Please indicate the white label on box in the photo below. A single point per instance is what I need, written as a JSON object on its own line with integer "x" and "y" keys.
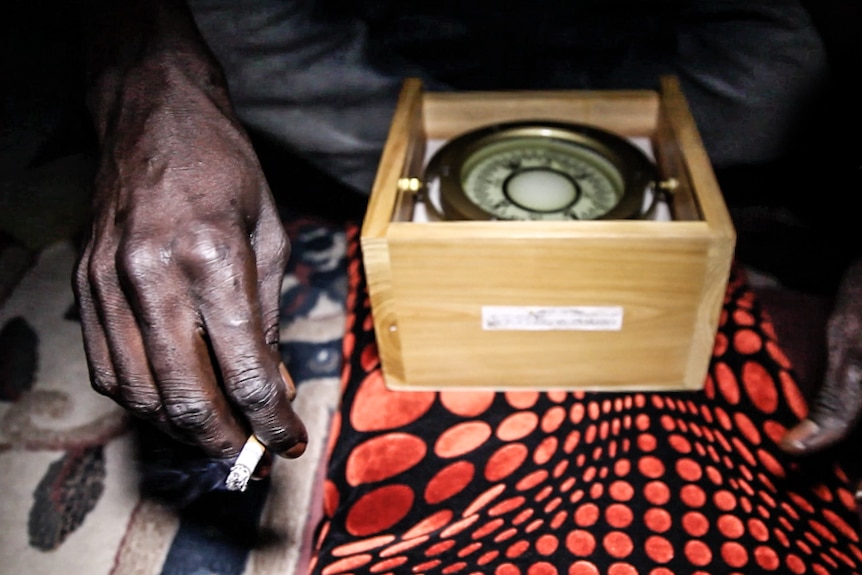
{"x": 548, "y": 318}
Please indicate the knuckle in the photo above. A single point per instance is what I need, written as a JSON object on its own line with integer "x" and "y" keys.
{"x": 272, "y": 243}
{"x": 99, "y": 271}
{"x": 280, "y": 247}
{"x": 141, "y": 259}
{"x": 249, "y": 391}
{"x": 189, "y": 414}
{"x": 103, "y": 383}
{"x": 147, "y": 406}
{"x": 206, "y": 248}
{"x": 271, "y": 329}
{"x": 136, "y": 396}
{"x": 100, "y": 274}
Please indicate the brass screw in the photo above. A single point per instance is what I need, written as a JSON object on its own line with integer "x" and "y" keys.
{"x": 669, "y": 185}
{"x": 409, "y": 184}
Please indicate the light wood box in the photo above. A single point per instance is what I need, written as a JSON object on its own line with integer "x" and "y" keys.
{"x": 428, "y": 282}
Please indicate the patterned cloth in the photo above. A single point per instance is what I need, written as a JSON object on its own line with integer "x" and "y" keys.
{"x": 419, "y": 482}
{"x": 582, "y": 483}
{"x": 69, "y": 458}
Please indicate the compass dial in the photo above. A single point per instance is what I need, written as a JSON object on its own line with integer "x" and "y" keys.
{"x": 536, "y": 178}
{"x": 540, "y": 171}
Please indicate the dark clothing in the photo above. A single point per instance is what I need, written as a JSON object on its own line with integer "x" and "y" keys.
{"x": 322, "y": 77}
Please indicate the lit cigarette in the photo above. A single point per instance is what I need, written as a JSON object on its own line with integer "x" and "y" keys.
{"x": 249, "y": 457}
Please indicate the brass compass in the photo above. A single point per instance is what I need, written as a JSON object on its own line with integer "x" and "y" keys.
{"x": 541, "y": 170}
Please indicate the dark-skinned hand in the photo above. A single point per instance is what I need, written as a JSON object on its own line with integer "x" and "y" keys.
{"x": 838, "y": 405}
{"x": 178, "y": 282}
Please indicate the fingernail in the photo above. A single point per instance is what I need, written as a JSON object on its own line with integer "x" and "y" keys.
{"x": 795, "y": 440}
{"x": 288, "y": 381}
{"x": 295, "y": 451}
{"x": 797, "y": 445}
{"x": 810, "y": 437}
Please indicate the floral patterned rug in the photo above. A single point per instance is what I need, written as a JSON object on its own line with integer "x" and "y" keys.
{"x": 70, "y": 459}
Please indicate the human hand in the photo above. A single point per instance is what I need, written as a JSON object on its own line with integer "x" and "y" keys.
{"x": 838, "y": 404}
{"x": 178, "y": 282}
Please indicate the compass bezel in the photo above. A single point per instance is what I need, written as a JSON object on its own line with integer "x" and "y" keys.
{"x": 637, "y": 171}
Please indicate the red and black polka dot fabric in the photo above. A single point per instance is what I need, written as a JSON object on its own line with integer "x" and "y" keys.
{"x": 560, "y": 483}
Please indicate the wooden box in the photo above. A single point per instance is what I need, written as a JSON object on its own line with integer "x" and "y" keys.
{"x": 429, "y": 282}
